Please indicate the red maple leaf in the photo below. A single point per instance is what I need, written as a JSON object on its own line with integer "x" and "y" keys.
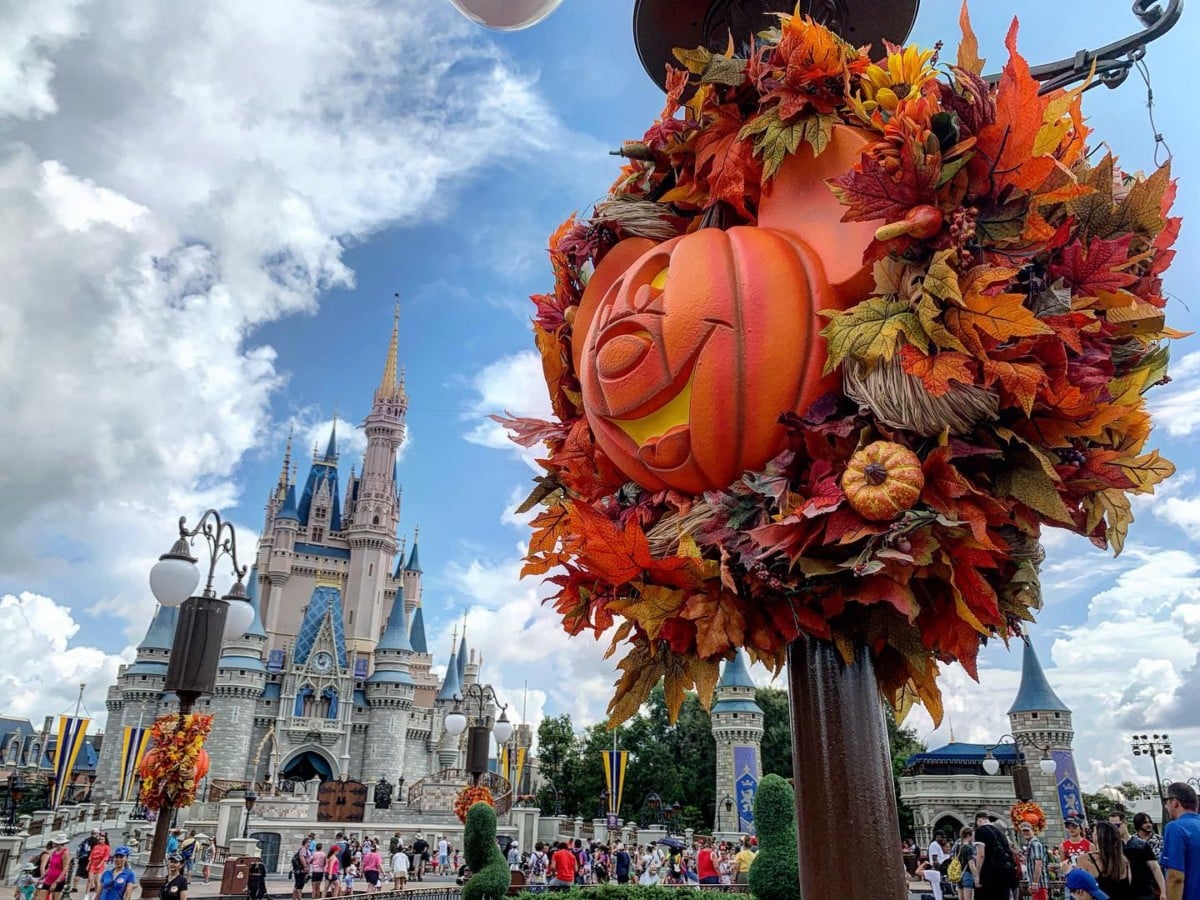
{"x": 872, "y": 192}
{"x": 1094, "y": 267}
{"x": 727, "y": 166}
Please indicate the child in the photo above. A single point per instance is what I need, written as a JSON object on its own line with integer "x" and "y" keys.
{"x": 25, "y": 883}
{"x": 348, "y": 876}
{"x": 207, "y": 854}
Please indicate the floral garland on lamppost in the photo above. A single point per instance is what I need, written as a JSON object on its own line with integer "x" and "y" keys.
{"x": 1028, "y": 812}
{"x": 177, "y": 761}
{"x": 468, "y": 797}
{"x": 848, "y": 332}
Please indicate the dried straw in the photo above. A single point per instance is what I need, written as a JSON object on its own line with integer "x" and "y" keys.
{"x": 639, "y": 218}
{"x": 901, "y": 400}
{"x": 664, "y": 537}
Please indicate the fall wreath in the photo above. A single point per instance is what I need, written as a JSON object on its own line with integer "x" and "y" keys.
{"x": 1029, "y": 812}
{"x": 948, "y": 313}
{"x": 176, "y": 762}
{"x": 468, "y": 797}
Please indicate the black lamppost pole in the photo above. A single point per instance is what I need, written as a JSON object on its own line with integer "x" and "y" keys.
{"x": 199, "y": 631}
{"x": 1154, "y": 745}
{"x": 727, "y": 802}
{"x": 477, "y": 696}
{"x": 251, "y": 797}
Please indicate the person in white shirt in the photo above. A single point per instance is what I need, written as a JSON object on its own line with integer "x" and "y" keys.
{"x": 937, "y": 852}
{"x": 399, "y": 869}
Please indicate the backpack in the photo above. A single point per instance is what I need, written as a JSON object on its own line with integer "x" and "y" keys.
{"x": 298, "y": 867}
{"x": 954, "y": 871}
{"x": 539, "y": 864}
{"x": 1000, "y": 865}
{"x": 345, "y": 857}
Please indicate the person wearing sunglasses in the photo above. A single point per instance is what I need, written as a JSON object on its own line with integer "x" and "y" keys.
{"x": 1181, "y": 843}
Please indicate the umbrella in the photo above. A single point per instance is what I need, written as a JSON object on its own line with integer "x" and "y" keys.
{"x": 203, "y": 837}
{"x": 673, "y": 842}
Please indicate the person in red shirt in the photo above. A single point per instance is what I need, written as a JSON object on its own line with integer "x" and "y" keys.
{"x": 1076, "y": 844}
{"x": 706, "y": 868}
{"x": 562, "y": 867}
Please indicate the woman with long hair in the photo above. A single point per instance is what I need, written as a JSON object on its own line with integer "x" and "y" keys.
{"x": 1108, "y": 863}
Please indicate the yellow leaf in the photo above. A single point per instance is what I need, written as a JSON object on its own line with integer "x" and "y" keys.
{"x": 1148, "y": 470}
{"x": 871, "y": 332}
{"x": 968, "y": 48}
{"x": 650, "y": 606}
{"x": 1112, "y": 505}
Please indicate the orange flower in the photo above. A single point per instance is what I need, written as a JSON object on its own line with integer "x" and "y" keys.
{"x": 811, "y": 67}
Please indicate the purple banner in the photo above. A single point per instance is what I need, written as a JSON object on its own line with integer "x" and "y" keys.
{"x": 1070, "y": 798}
{"x": 745, "y": 780}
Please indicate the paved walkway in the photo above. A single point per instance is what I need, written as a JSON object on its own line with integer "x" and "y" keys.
{"x": 280, "y": 886}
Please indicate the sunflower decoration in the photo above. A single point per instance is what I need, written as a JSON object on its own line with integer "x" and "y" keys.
{"x": 1028, "y": 812}
{"x": 847, "y": 334}
{"x": 468, "y": 797}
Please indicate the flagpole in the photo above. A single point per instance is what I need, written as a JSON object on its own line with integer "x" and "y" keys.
{"x": 60, "y": 788}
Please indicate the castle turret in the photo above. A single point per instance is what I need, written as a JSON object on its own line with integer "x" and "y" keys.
{"x": 279, "y": 559}
{"x": 1041, "y": 724}
{"x": 241, "y": 676}
{"x": 411, "y": 573}
{"x": 389, "y": 693}
{"x": 737, "y": 726}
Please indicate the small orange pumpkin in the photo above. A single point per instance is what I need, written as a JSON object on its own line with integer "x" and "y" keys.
{"x": 882, "y": 480}
{"x": 202, "y": 764}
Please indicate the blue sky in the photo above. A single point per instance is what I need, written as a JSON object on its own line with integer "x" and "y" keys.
{"x": 208, "y": 214}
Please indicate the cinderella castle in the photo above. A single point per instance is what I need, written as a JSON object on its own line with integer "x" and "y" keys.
{"x": 334, "y": 679}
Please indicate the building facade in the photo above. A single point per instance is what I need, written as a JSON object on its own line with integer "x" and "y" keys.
{"x": 737, "y": 727}
{"x": 334, "y": 677}
{"x": 946, "y": 787}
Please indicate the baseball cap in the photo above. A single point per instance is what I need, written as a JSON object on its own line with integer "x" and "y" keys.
{"x": 1081, "y": 880}
{"x": 1074, "y": 820}
{"x": 122, "y": 851}
{"x": 174, "y": 857}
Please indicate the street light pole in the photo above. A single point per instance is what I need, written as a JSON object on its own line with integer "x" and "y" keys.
{"x": 1154, "y": 745}
{"x": 251, "y": 797}
{"x": 204, "y": 621}
{"x": 478, "y": 695}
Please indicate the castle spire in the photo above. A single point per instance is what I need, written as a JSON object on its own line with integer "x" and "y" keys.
{"x": 414, "y": 560}
{"x": 287, "y": 459}
{"x": 1035, "y": 693}
{"x": 331, "y": 448}
{"x": 416, "y": 632}
{"x": 391, "y": 383}
{"x": 462, "y": 651}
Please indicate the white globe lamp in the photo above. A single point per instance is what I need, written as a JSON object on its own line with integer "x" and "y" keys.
{"x": 456, "y": 722}
{"x": 505, "y": 15}
{"x": 240, "y": 613}
{"x": 503, "y": 728}
{"x": 175, "y": 576}
{"x": 991, "y": 765}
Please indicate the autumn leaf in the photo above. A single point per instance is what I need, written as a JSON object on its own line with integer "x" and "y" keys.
{"x": 720, "y": 624}
{"x": 937, "y": 371}
{"x": 726, "y": 164}
{"x": 1019, "y": 382}
{"x": 871, "y": 332}
{"x": 528, "y": 432}
{"x": 777, "y": 139}
{"x": 1141, "y": 210}
{"x": 1025, "y": 480}
{"x": 984, "y": 321}
{"x": 870, "y": 192}
{"x": 640, "y": 671}
{"x": 968, "y": 48}
{"x": 713, "y": 68}
{"x": 1114, "y": 508}
{"x": 650, "y": 606}
{"x": 1095, "y": 267}
{"x": 1148, "y": 470}
{"x": 1094, "y": 213}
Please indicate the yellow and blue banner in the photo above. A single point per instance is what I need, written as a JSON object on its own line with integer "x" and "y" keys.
{"x": 521, "y": 753}
{"x": 615, "y": 762}
{"x": 134, "y": 744}
{"x": 71, "y": 733}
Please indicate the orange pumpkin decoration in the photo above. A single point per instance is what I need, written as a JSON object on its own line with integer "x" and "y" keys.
{"x": 882, "y": 480}
{"x": 688, "y": 351}
{"x": 150, "y": 763}
{"x": 202, "y": 764}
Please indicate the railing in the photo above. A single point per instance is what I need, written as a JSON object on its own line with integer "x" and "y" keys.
{"x": 500, "y": 787}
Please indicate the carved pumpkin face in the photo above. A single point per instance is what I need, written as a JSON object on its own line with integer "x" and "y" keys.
{"x": 696, "y": 349}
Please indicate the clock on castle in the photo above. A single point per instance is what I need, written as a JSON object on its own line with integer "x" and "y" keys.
{"x": 333, "y": 678}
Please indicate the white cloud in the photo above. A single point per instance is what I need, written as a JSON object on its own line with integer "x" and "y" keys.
{"x": 1177, "y": 406}
{"x": 175, "y": 177}
{"x": 513, "y": 385}
{"x": 40, "y": 670}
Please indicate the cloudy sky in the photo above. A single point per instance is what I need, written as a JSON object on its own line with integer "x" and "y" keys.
{"x": 204, "y": 212}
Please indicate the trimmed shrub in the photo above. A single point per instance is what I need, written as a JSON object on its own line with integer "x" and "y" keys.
{"x": 490, "y": 877}
{"x": 775, "y": 872}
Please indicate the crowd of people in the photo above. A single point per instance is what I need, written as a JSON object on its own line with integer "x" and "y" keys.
{"x": 334, "y": 869}
{"x": 1121, "y": 858}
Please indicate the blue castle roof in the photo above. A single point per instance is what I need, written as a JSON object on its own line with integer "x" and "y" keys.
{"x": 395, "y": 635}
{"x": 161, "y": 632}
{"x": 462, "y": 656}
{"x": 414, "y": 561}
{"x": 1035, "y": 693}
{"x": 288, "y": 510}
{"x": 256, "y": 628}
{"x": 325, "y": 600}
{"x": 451, "y": 686}
{"x": 736, "y": 673}
{"x": 959, "y": 753}
{"x": 323, "y": 473}
{"x": 416, "y": 632}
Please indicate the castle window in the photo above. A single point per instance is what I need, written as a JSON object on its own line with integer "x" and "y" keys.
{"x": 370, "y": 569}
{"x": 304, "y": 702}
{"x": 319, "y": 512}
{"x": 318, "y": 535}
{"x": 350, "y": 617}
{"x": 375, "y": 520}
{"x": 329, "y": 703}
{"x": 1033, "y": 715}
{"x": 13, "y": 753}
{"x": 1058, "y": 715}
{"x": 233, "y": 714}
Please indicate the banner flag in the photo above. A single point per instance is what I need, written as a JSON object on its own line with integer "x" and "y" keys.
{"x": 133, "y": 748}
{"x": 503, "y": 770}
{"x": 71, "y": 733}
{"x": 521, "y": 751}
{"x": 615, "y": 762}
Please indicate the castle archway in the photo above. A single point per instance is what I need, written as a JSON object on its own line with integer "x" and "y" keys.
{"x": 307, "y": 764}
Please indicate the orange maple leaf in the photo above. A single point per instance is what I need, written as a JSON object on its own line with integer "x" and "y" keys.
{"x": 937, "y": 371}
{"x": 1019, "y": 382}
{"x": 720, "y": 624}
{"x": 983, "y": 321}
{"x": 725, "y": 165}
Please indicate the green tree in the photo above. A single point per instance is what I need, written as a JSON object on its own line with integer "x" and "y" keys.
{"x": 904, "y": 742}
{"x": 490, "y": 877}
{"x": 777, "y": 731}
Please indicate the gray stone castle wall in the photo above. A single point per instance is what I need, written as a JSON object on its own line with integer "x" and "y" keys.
{"x": 229, "y": 743}
{"x": 1034, "y": 730}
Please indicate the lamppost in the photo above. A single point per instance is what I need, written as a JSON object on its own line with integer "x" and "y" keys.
{"x": 1020, "y": 774}
{"x": 16, "y": 791}
{"x": 602, "y": 805}
{"x": 478, "y": 695}
{"x": 671, "y": 813}
{"x": 251, "y": 798}
{"x": 727, "y": 802}
{"x": 651, "y": 812}
{"x": 549, "y": 786}
{"x": 1154, "y": 745}
{"x": 204, "y": 621}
